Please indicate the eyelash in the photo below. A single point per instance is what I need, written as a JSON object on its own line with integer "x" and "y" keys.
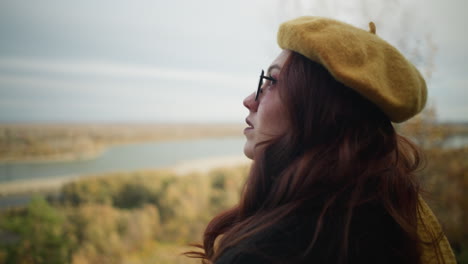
{"x": 272, "y": 81}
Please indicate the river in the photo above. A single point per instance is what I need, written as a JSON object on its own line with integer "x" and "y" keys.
{"x": 148, "y": 155}
{"x": 130, "y": 157}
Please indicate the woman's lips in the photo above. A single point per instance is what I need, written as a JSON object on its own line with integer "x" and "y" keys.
{"x": 249, "y": 123}
{"x": 250, "y": 127}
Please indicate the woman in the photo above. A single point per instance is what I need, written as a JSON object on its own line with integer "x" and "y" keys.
{"x": 331, "y": 181}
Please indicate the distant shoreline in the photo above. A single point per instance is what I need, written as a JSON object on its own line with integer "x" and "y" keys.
{"x": 90, "y": 155}
{"x": 36, "y": 143}
{"x": 43, "y": 185}
{"x": 65, "y": 157}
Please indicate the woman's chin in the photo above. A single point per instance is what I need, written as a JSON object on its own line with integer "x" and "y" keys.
{"x": 248, "y": 150}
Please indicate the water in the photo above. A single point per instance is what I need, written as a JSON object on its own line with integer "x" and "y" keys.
{"x": 127, "y": 158}
{"x": 143, "y": 156}
{"x": 134, "y": 157}
{"x": 456, "y": 142}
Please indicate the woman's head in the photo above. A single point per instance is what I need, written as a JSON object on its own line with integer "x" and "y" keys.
{"x": 308, "y": 121}
{"x": 267, "y": 118}
{"x": 305, "y": 106}
{"x": 330, "y": 77}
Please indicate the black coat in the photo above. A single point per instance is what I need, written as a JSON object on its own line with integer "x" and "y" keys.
{"x": 374, "y": 238}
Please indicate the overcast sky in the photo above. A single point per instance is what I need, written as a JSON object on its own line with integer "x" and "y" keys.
{"x": 194, "y": 61}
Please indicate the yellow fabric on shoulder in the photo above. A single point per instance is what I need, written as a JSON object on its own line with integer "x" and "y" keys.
{"x": 428, "y": 230}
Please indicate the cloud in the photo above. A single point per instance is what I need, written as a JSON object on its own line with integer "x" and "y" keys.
{"x": 187, "y": 59}
{"x": 43, "y": 90}
{"x": 114, "y": 70}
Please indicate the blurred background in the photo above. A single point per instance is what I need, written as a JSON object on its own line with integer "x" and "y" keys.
{"x": 121, "y": 121}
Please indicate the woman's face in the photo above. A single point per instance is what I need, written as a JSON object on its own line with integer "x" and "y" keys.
{"x": 267, "y": 117}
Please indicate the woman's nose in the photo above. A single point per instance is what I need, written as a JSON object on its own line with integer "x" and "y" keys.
{"x": 250, "y": 103}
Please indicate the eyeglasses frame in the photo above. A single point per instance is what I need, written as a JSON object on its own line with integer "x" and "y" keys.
{"x": 260, "y": 84}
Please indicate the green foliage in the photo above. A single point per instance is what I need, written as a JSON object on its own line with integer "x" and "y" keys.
{"x": 462, "y": 256}
{"x": 37, "y": 235}
{"x": 106, "y": 234}
{"x": 133, "y": 195}
{"x": 93, "y": 190}
{"x": 107, "y": 218}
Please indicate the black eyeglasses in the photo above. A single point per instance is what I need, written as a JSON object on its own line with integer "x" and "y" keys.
{"x": 260, "y": 84}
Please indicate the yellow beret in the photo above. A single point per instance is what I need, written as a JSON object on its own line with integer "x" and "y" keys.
{"x": 360, "y": 60}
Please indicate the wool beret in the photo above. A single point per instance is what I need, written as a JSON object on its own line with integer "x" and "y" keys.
{"x": 361, "y": 60}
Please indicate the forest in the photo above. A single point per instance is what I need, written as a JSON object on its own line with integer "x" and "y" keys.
{"x": 140, "y": 217}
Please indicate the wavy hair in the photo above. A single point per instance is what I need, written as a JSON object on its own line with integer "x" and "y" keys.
{"x": 340, "y": 181}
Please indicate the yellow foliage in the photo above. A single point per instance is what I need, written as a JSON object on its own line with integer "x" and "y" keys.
{"x": 130, "y": 216}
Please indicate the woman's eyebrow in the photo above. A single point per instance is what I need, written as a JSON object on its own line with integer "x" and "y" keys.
{"x": 274, "y": 66}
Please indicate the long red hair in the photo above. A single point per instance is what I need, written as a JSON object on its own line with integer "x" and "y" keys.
{"x": 340, "y": 160}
